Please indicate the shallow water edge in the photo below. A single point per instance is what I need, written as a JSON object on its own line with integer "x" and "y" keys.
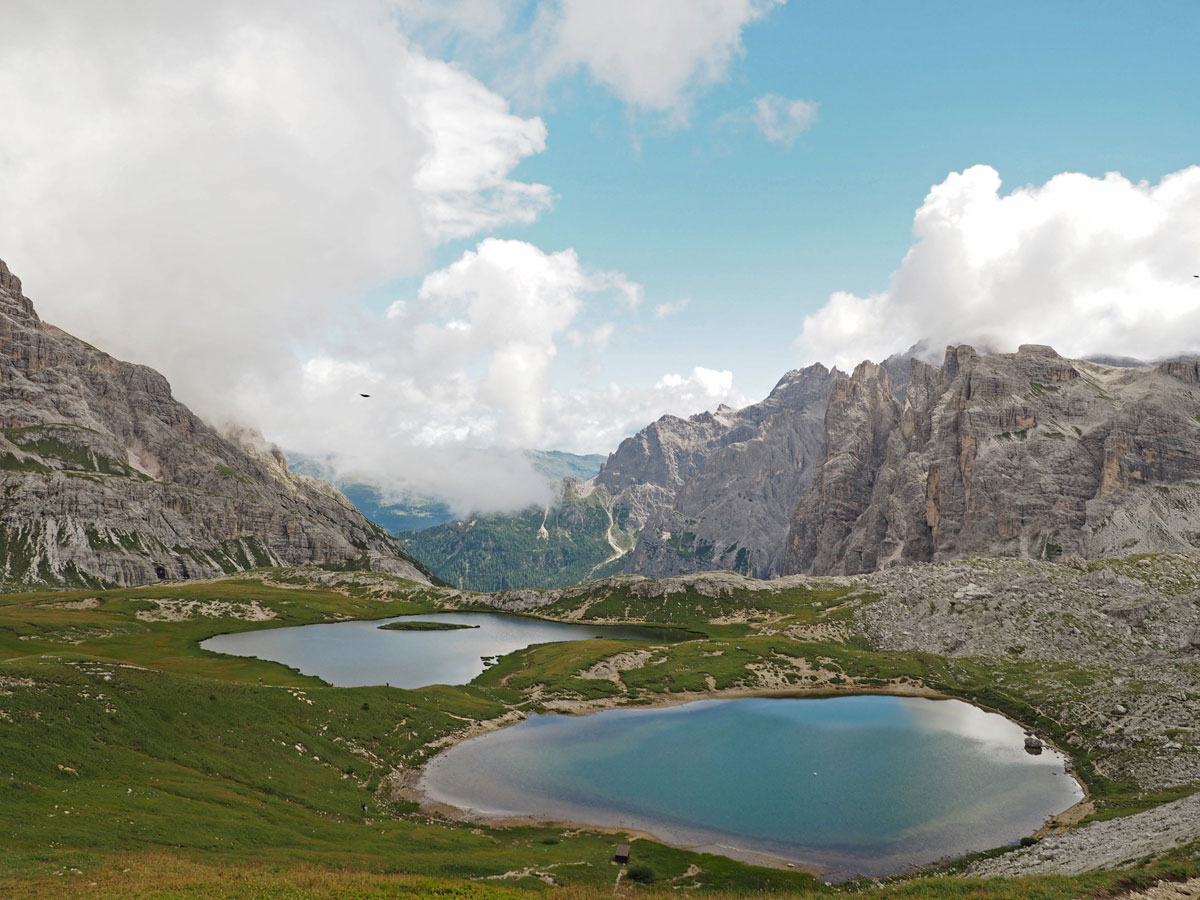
{"x": 411, "y": 784}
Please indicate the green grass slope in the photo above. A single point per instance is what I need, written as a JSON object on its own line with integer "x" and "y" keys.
{"x": 136, "y": 764}
{"x": 558, "y": 546}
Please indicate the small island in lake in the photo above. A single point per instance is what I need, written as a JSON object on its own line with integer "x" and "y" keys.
{"x": 424, "y": 626}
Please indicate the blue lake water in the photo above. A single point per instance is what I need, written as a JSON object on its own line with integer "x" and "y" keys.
{"x": 358, "y": 653}
{"x": 863, "y": 785}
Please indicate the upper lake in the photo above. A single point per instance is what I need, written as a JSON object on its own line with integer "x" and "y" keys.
{"x": 856, "y": 785}
{"x": 359, "y": 653}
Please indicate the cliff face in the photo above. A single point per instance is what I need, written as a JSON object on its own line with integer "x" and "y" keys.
{"x": 717, "y": 491}
{"x": 1026, "y": 454}
{"x": 106, "y": 478}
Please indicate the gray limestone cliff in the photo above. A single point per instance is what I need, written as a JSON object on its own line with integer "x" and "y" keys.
{"x": 717, "y": 490}
{"x": 1023, "y": 454}
{"x": 106, "y": 479}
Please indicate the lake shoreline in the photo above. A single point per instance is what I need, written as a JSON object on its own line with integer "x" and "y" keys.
{"x": 409, "y": 784}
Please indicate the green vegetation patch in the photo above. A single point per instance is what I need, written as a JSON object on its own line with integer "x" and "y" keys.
{"x": 733, "y": 612}
{"x": 53, "y": 443}
{"x": 540, "y": 547}
{"x": 1037, "y": 389}
{"x": 424, "y": 626}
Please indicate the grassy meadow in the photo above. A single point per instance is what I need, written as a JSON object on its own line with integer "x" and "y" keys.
{"x": 136, "y": 764}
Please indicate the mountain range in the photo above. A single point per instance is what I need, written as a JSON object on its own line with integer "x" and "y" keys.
{"x": 108, "y": 480}
{"x": 1024, "y": 454}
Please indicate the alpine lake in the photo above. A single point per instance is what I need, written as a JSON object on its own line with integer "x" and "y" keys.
{"x": 854, "y": 785}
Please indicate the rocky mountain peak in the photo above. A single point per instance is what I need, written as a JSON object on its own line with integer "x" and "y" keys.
{"x": 10, "y": 294}
{"x": 108, "y": 479}
{"x": 1037, "y": 350}
{"x": 958, "y": 358}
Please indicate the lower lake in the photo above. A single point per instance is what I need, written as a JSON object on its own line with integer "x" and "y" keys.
{"x": 856, "y": 785}
{"x": 356, "y": 653}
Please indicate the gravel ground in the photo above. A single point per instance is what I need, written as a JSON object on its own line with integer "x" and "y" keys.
{"x": 1102, "y": 845}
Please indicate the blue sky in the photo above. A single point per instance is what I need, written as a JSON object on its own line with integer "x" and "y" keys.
{"x": 476, "y": 210}
{"x": 758, "y": 234}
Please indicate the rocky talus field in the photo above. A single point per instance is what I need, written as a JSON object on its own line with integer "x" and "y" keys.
{"x": 108, "y": 480}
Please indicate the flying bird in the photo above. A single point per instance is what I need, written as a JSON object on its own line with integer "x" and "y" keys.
{"x": 364, "y": 395}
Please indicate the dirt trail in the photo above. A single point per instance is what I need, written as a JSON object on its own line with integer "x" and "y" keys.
{"x": 617, "y": 551}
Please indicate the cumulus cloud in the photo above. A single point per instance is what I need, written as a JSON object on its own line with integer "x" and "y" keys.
{"x": 653, "y": 55}
{"x": 462, "y": 376}
{"x": 601, "y": 420}
{"x": 781, "y": 120}
{"x": 212, "y": 188}
{"x": 1087, "y": 265}
{"x": 203, "y": 186}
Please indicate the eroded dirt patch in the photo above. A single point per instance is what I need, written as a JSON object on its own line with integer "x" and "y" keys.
{"x": 611, "y": 667}
{"x": 77, "y": 605}
{"x": 181, "y": 610}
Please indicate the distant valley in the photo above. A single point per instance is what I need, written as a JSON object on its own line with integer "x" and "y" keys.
{"x": 410, "y": 511}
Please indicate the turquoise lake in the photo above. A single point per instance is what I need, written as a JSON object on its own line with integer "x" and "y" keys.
{"x": 357, "y": 653}
{"x": 858, "y": 785}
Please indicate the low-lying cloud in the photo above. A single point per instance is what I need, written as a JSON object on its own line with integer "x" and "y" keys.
{"x": 1086, "y": 265}
{"x": 201, "y": 187}
{"x": 461, "y": 378}
{"x": 212, "y": 189}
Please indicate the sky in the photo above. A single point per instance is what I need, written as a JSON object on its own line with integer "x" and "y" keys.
{"x": 544, "y": 224}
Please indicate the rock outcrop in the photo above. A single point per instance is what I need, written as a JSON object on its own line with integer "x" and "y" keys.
{"x": 1023, "y": 454}
{"x": 717, "y": 490}
{"x": 107, "y": 479}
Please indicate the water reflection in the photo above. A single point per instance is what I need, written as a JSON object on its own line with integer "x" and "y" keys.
{"x": 360, "y": 652}
{"x": 997, "y": 735}
{"x": 859, "y": 785}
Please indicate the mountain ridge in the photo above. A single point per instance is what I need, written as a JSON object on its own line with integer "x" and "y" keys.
{"x": 108, "y": 480}
{"x": 1021, "y": 454}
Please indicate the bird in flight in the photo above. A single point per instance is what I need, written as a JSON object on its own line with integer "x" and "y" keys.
{"x": 364, "y": 395}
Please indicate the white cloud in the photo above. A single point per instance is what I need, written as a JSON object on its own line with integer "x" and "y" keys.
{"x": 594, "y": 341}
{"x": 211, "y": 188}
{"x": 514, "y": 301}
{"x": 782, "y": 120}
{"x": 1087, "y": 265}
{"x": 599, "y": 421}
{"x": 481, "y": 19}
{"x": 468, "y": 364}
{"x": 203, "y": 187}
{"x": 464, "y": 378}
{"x": 671, "y": 307}
{"x": 653, "y": 54}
